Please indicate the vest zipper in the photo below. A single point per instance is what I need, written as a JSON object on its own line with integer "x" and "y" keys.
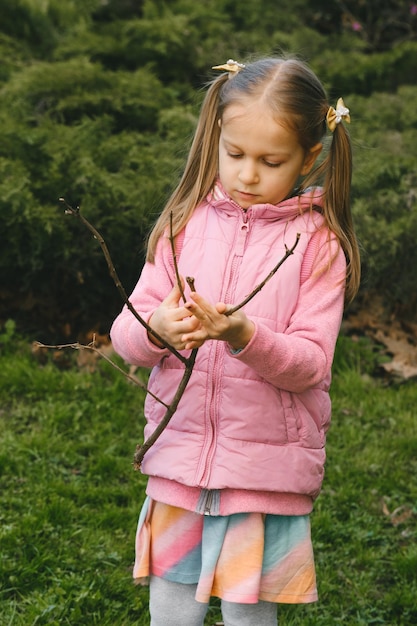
{"x": 239, "y": 248}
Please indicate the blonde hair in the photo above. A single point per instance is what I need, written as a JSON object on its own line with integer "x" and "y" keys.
{"x": 296, "y": 96}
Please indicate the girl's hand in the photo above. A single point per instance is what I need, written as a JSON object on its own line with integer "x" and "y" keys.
{"x": 237, "y": 329}
{"x": 171, "y": 321}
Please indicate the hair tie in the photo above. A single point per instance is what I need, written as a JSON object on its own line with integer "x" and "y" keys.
{"x": 335, "y": 116}
{"x": 233, "y": 67}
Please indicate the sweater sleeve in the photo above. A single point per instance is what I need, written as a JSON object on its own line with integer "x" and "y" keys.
{"x": 301, "y": 357}
{"x": 129, "y": 337}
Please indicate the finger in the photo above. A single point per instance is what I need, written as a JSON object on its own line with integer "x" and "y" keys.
{"x": 198, "y": 336}
{"x": 221, "y": 307}
{"x": 186, "y": 325}
{"x": 201, "y": 309}
{"x": 193, "y": 344}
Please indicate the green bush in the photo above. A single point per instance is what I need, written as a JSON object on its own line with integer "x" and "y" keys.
{"x": 98, "y": 104}
{"x": 117, "y": 181}
{"x": 384, "y": 132}
{"x": 351, "y": 71}
{"x": 101, "y": 140}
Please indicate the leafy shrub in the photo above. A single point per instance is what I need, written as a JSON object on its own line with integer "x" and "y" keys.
{"x": 52, "y": 272}
{"x": 351, "y": 71}
{"x": 101, "y": 112}
{"x": 385, "y": 194}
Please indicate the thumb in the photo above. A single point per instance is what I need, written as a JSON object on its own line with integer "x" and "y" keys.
{"x": 173, "y": 298}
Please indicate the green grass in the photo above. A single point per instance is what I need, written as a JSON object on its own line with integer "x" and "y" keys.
{"x": 70, "y": 498}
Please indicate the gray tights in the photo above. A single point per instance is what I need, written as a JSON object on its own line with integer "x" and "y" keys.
{"x": 173, "y": 604}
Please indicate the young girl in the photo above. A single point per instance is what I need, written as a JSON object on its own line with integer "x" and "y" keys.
{"x": 233, "y": 477}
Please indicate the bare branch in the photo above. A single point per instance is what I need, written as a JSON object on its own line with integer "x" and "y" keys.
{"x": 77, "y": 213}
{"x": 288, "y": 252}
{"x": 190, "y": 282}
{"x": 174, "y": 256}
{"x": 142, "y": 449}
{"x": 188, "y": 362}
{"x": 91, "y": 346}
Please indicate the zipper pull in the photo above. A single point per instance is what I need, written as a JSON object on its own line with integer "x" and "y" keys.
{"x": 209, "y": 500}
{"x": 243, "y": 233}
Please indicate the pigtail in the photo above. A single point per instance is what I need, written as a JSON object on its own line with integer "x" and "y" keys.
{"x": 200, "y": 172}
{"x": 337, "y": 168}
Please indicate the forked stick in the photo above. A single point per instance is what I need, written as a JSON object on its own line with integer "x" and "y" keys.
{"x": 187, "y": 361}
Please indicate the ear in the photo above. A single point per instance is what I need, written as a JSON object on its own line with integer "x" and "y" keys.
{"x": 310, "y": 158}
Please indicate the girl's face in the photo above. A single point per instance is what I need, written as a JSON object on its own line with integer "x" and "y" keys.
{"x": 260, "y": 160}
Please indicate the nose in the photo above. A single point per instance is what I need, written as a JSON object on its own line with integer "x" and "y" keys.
{"x": 248, "y": 173}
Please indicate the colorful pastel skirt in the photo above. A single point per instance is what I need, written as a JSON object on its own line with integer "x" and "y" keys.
{"x": 241, "y": 558}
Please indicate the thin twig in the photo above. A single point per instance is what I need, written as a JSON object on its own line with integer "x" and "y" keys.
{"x": 288, "y": 252}
{"x": 142, "y": 449}
{"x": 187, "y": 361}
{"x": 77, "y": 213}
{"x": 189, "y": 366}
{"x": 190, "y": 282}
{"x": 174, "y": 256}
{"x": 91, "y": 346}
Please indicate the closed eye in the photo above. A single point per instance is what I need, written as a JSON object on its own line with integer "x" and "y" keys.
{"x": 239, "y": 155}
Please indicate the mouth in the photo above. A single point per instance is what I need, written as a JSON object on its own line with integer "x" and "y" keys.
{"x": 244, "y": 195}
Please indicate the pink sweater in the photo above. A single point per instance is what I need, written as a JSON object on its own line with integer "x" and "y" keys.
{"x": 249, "y": 432}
